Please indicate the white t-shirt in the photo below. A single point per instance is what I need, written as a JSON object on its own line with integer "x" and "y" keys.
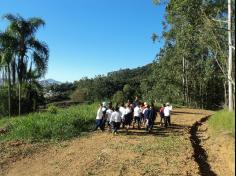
{"x": 99, "y": 114}
{"x": 137, "y": 111}
{"x": 109, "y": 112}
{"x": 103, "y": 108}
{"x": 115, "y": 117}
{"x": 122, "y": 111}
{"x": 167, "y": 111}
{"x": 127, "y": 110}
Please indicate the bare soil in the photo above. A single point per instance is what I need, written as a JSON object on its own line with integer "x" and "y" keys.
{"x": 220, "y": 150}
{"x": 164, "y": 152}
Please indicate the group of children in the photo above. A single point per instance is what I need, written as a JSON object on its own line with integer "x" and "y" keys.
{"x": 131, "y": 115}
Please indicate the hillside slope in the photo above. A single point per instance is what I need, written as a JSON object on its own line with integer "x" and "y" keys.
{"x": 164, "y": 152}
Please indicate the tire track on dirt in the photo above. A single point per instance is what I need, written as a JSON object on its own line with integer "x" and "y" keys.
{"x": 200, "y": 155}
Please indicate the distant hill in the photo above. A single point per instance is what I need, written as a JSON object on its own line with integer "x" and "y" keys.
{"x": 48, "y": 82}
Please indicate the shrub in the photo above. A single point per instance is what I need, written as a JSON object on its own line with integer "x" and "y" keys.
{"x": 52, "y": 109}
{"x": 79, "y": 95}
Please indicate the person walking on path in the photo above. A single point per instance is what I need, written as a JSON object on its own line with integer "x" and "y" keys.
{"x": 167, "y": 114}
{"x": 108, "y": 114}
{"x": 145, "y": 113}
{"x": 128, "y": 118}
{"x": 137, "y": 116}
{"x": 104, "y": 116}
{"x": 151, "y": 118}
{"x": 115, "y": 120}
{"x": 162, "y": 121}
{"x": 99, "y": 119}
{"x": 122, "y": 111}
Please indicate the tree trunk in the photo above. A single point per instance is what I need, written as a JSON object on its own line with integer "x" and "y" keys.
{"x": 225, "y": 92}
{"x": 184, "y": 89}
{"x": 9, "y": 89}
{"x": 19, "y": 98}
{"x": 230, "y": 60}
{"x": 13, "y": 66}
{"x": 186, "y": 84}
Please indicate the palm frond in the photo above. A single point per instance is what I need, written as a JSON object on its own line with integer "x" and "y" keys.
{"x": 39, "y": 47}
{"x": 41, "y": 63}
{"x": 35, "y": 23}
{"x": 10, "y": 17}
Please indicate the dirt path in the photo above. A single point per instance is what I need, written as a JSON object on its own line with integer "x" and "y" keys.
{"x": 164, "y": 152}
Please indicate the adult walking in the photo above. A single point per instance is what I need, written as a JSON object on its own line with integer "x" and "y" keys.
{"x": 128, "y": 118}
{"x": 162, "y": 121}
{"x": 115, "y": 120}
{"x": 108, "y": 114}
{"x": 104, "y": 115}
{"x": 167, "y": 114}
{"x": 151, "y": 118}
{"x": 122, "y": 112}
{"x": 99, "y": 118}
{"x": 145, "y": 113}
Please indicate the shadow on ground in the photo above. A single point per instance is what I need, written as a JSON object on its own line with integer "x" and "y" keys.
{"x": 174, "y": 129}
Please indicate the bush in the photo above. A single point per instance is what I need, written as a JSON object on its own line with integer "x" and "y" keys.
{"x": 52, "y": 109}
{"x": 65, "y": 124}
{"x": 79, "y": 95}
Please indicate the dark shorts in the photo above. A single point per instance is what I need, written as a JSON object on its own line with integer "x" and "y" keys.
{"x": 137, "y": 119}
{"x": 98, "y": 122}
{"x": 128, "y": 120}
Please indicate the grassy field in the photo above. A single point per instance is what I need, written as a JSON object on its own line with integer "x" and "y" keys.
{"x": 56, "y": 124}
{"x": 223, "y": 121}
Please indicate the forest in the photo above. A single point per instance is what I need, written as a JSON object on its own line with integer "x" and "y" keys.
{"x": 194, "y": 68}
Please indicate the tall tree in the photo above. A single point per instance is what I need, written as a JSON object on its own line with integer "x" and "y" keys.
{"x": 30, "y": 51}
{"x": 7, "y": 50}
{"x": 230, "y": 59}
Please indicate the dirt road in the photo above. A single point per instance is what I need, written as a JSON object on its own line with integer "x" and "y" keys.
{"x": 164, "y": 152}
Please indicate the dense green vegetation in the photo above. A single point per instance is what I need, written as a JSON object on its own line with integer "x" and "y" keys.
{"x": 119, "y": 85}
{"x": 192, "y": 66}
{"x": 56, "y": 124}
{"x": 223, "y": 122}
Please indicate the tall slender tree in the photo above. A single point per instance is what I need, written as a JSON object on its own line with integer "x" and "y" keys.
{"x": 7, "y": 49}
{"x": 29, "y": 49}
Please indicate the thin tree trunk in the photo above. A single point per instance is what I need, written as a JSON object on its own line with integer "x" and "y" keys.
{"x": 184, "y": 89}
{"x": 186, "y": 85}
{"x": 20, "y": 79}
{"x": 9, "y": 89}
{"x": 19, "y": 98}
{"x": 225, "y": 92}
{"x": 13, "y": 65}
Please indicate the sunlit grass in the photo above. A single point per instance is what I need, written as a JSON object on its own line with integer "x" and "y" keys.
{"x": 223, "y": 122}
{"x": 64, "y": 124}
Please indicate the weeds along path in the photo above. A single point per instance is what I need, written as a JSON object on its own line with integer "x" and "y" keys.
{"x": 164, "y": 152}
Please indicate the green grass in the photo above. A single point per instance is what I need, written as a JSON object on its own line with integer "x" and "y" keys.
{"x": 60, "y": 125}
{"x": 223, "y": 122}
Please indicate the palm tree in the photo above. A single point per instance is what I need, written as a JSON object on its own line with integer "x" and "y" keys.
{"x": 7, "y": 49}
{"x": 30, "y": 51}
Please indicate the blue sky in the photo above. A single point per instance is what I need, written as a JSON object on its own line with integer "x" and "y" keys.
{"x": 92, "y": 37}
